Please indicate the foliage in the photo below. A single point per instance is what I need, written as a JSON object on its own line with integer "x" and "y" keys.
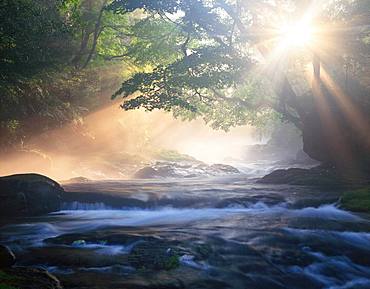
{"x": 172, "y": 262}
{"x": 210, "y": 67}
{"x": 358, "y": 200}
{"x": 41, "y": 103}
{"x": 33, "y": 37}
{"x": 41, "y": 83}
{"x": 196, "y": 58}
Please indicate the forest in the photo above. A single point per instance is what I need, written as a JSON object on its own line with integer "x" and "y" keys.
{"x": 146, "y": 114}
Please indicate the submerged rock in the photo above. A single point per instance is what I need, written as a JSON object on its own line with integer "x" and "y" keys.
{"x": 23, "y": 277}
{"x": 29, "y": 195}
{"x": 320, "y": 176}
{"x": 184, "y": 169}
{"x": 7, "y": 258}
{"x": 154, "y": 255}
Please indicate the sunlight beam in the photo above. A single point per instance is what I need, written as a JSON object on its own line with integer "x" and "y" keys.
{"x": 295, "y": 35}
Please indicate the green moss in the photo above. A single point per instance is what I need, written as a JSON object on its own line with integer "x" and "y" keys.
{"x": 172, "y": 262}
{"x": 358, "y": 200}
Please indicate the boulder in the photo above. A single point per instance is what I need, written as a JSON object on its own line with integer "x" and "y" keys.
{"x": 7, "y": 258}
{"x": 28, "y": 278}
{"x": 29, "y": 195}
{"x": 317, "y": 176}
{"x": 146, "y": 173}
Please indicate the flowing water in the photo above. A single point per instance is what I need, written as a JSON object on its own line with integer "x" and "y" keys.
{"x": 224, "y": 232}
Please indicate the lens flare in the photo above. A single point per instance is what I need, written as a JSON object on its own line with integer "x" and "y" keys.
{"x": 296, "y": 34}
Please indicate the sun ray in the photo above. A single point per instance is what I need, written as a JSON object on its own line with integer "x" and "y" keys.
{"x": 352, "y": 113}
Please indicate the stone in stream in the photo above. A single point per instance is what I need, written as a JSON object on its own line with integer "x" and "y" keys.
{"x": 23, "y": 277}
{"x": 184, "y": 170}
{"x": 223, "y": 169}
{"x": 29, "y": 195}
{"x": 142, "y": 252}
{"x": 318, "y": 176}
{"x": 154, "y": 255}
{"x": 146, "y": 173}
{"x": 28, "y": 278}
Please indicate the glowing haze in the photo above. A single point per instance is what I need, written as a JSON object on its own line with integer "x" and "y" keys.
{"x": 111, "y": 142}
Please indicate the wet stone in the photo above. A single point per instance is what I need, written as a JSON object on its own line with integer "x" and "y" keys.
{"x": 7, "y": 258}
{"x": 154, "y": 255}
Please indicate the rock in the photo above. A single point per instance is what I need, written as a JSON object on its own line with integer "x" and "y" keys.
{"x": 154, "y": 255}
{"x": 72, "y": 258}
{"x": 28, "y": 278}
{"x": 224, "y": 169}
{"x": 318, "y": 176}
{"x": 7, "y": 258}
{"x": 183, "y": 170}
{"x": 146, "y": 173}
{"x": 29, "y": 195}
{"x": 77, "y": 180}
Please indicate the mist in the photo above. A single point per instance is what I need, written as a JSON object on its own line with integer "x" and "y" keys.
{"x": 112, "y": 143}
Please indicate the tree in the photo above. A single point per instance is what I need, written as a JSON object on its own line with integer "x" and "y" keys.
{"x": 33, "y": 37}
{"x": 40, "y": 87}
{"x": 217, "y": 73}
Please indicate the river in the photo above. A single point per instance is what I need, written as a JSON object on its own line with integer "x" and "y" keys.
{"x": 215, "y": 232}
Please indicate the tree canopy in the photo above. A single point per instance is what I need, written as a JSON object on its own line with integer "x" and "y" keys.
{"x": 223, "y": 62}
{"x": 226, "y": 61}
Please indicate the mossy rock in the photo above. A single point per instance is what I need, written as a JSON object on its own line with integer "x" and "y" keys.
{"x": 357, "y": 201}
{"x": 155, "y": 255}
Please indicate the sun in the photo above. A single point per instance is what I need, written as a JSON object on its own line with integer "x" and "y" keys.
{"x": 298, "y": 34}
